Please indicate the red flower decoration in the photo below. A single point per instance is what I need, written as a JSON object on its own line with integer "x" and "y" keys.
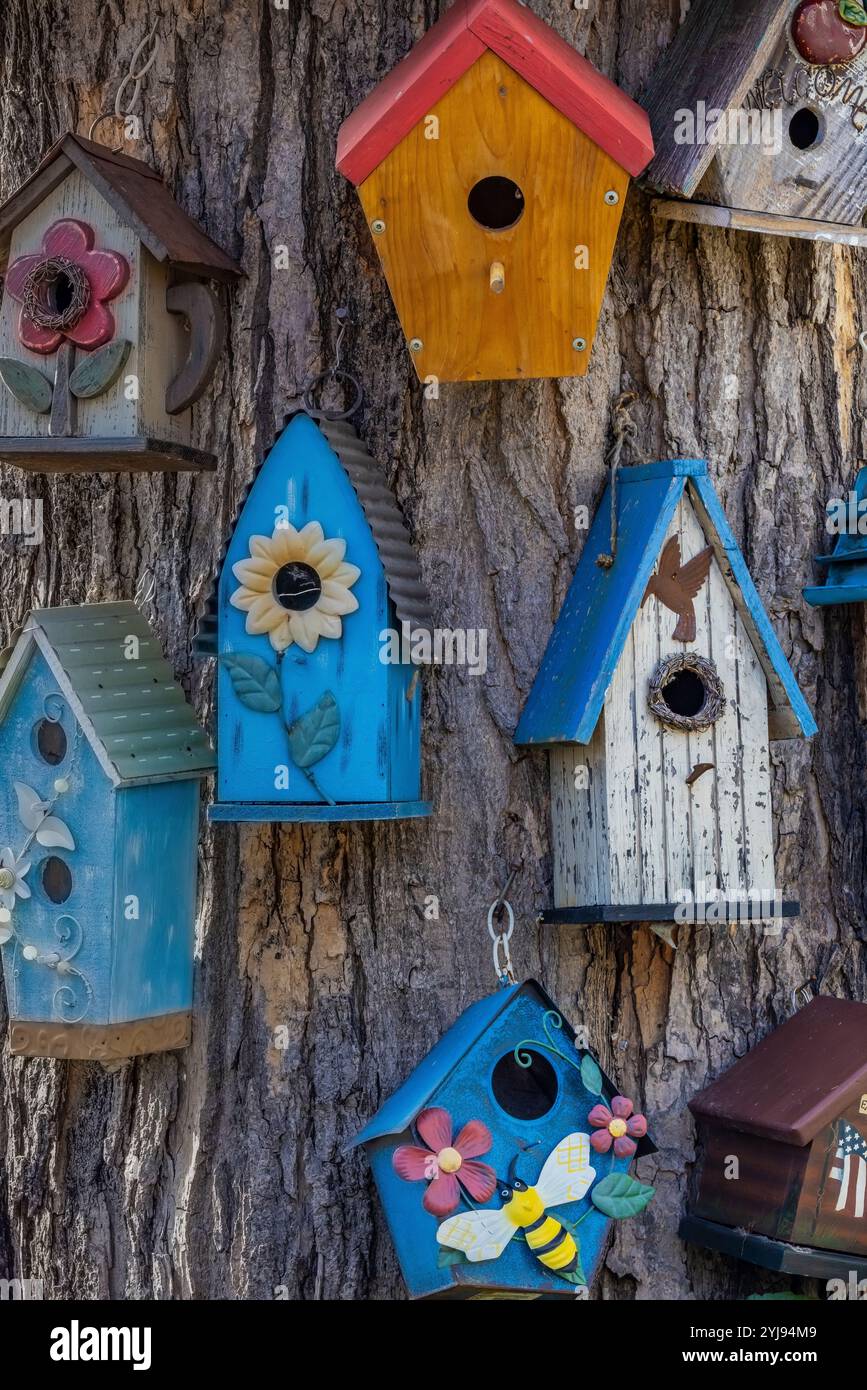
{"x": 446, "y": 1166}
{"x": 91, "y": 277}
{"x": 617, "y": 1126}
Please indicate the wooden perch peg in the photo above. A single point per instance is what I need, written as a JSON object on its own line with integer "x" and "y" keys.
{"x": 498, "y": 277}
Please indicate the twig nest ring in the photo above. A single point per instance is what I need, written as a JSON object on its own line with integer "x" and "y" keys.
{"x": 685, "y": 692}
{"x": 56, "y": 293}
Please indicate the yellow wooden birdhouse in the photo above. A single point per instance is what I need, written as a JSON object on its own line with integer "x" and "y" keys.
{"x": 492, "y": 164}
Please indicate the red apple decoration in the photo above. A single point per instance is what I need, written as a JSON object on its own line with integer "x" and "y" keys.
{"x": 829, "y": 31}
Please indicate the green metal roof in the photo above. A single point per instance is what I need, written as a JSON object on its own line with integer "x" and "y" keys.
{"x": 135, "y": 716}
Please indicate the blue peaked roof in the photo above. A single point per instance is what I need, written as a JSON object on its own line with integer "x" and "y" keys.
{"x": 600, "y": 608}
{"x": 401, "y": 1109}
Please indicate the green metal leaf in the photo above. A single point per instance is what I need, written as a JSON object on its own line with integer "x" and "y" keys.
{"x": 99, "y": 370}
{"x": 27, "y": 385}
{"x": 591, "y": 1076}
{"x": 315, "y": 733}
{"x": 255, "y": 683}
{"x": 853, "y": 12}
{"x": 450, "y": 1257}
{"x": 619, "y": 1196}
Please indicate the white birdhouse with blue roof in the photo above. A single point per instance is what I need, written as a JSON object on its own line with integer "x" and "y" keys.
{"x": 99, "y": 813}
{"x": 661, "y": 686}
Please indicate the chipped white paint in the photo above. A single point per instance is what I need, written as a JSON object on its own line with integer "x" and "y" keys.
{"x": 660, "y": 838}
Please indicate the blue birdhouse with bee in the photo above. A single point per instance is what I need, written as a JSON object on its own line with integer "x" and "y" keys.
{"x": 313, "y": 617}
{"x": 99, "y": 813}
{"x": 505, "y": 1156}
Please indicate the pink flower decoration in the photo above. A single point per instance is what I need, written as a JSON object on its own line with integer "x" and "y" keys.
{"x": 445, "y": 1165}
{"x": 617, "y": 1126}
{"x": 105, "y": 274}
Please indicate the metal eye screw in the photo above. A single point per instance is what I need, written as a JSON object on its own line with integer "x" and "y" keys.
{"x": 579, "y": 344}
{"x": 611, "y": 197}
{"x": 377, "y": 226}
{"x": 415, "y": 344}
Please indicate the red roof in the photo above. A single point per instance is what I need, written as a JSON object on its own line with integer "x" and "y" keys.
{"x": 592, "y": 102}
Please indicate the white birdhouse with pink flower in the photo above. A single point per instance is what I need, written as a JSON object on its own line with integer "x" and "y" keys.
{"x": 110, "y": 325}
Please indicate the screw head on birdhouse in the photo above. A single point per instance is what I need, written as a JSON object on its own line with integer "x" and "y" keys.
{"x": 99, "y": 816}
{"x": 660, "y": 687}
{"x": 110, "y": 329}
{"x": 759, "y": 119}
{"x": 492, "y": 164}
{"x": 313, "y": 616}
{"x": 504, "y": 1157}
{"x": 783, "y": 1179}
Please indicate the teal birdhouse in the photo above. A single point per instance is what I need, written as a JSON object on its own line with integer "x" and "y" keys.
{"x": 318, "y": 717}
{"x": 846, "y": 580}
{"x": 504, "y": 1157}
{"x": 99, "y": 811}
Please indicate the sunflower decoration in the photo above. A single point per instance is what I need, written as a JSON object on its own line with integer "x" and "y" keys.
{"x": 295, "y": 587}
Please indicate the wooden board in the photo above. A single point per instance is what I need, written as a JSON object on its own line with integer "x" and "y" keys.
{"x": 437, "y": 258}
{"x": 77, "y": 455}
{"x": 716, "y": 55}
{"x": 741, "y": 220}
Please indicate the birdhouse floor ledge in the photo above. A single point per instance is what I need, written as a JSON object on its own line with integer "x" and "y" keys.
{"x": 772, "y": 1254}
{"x": 291, "y": 813}
{"x": 638, "y": 913}
{"x": 79, "y": 454}
{"x": 100, "y": 1042}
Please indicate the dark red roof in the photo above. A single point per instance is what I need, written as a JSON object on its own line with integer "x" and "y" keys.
{"x": 798, "y": 1079}
{"x": 592, "y": 102}
{"x": 138, "y": 196}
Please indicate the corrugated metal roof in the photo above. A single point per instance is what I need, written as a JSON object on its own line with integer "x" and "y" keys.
{"x": 397, "y": 556}
{"x": 131, "y": 708}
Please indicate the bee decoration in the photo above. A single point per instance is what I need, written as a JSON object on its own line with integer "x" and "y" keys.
{"x": 484, "y": 1233}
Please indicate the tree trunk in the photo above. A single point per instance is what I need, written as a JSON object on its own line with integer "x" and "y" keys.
{"x": 220, "y": 1171}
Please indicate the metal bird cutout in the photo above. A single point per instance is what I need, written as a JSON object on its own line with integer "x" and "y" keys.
{"x": 676, "y": 585}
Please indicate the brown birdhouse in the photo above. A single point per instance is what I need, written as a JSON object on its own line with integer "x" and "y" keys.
{"x": 492, "y": 165}
{"x": 110, "y": 328}
{"x": 784, "y": 1177}
{"x": 760, "y": 121}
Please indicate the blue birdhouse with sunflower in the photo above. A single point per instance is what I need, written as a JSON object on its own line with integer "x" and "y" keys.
{"x": 505, "y": 1156}
{"x": 99, "y": 816}
{"x": 317, "y": 602}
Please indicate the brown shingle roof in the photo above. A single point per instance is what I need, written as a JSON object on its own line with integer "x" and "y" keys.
{"x": 798, "y": 1079}
{"x": 138, "y": 196}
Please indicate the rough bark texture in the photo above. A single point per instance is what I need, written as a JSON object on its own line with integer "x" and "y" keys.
{"x": 219, "y": 1172}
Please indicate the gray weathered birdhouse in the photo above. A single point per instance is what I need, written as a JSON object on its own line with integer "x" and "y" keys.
{"x": 109, "y": 327}
{"x": 759, "y": 118}
{"x": 661, "y": 685}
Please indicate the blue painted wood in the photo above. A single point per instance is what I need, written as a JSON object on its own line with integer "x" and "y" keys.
{"x": 261, "y": 813}
{"x": 456, "y": 1075}
{"x": 846, "y": 581}
{"x": 138, "y": 840}
{"x": 156, "y": 835}
{"x": 88, "y": 810}
{"x": 589, "y": 635}
{"x": 377, "y": 757}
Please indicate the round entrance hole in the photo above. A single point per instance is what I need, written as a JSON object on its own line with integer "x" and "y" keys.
{"x": 525, "y": 1093}
{"x": 804, "y": 129}
{"x": 56, "y": 879}
{"x": 684, "y": 693}
{"x": 50, "y": 739}
{"x": 496, "y": 203}
{"x": 297, "y": 586}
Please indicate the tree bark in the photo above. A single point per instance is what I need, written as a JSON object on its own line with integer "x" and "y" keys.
{"x": 220, "y": 1171}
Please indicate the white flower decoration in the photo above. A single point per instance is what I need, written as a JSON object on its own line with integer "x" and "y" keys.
{"x": 12, "y": 873}
{"x": 295, "y": 587}
{"x": 6, "y": 932}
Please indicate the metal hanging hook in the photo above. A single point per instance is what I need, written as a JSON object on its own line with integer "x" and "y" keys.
{"x": 134, "y": 77}
{"x": 335, "y": 373}
{"x": 503, "y": 968}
